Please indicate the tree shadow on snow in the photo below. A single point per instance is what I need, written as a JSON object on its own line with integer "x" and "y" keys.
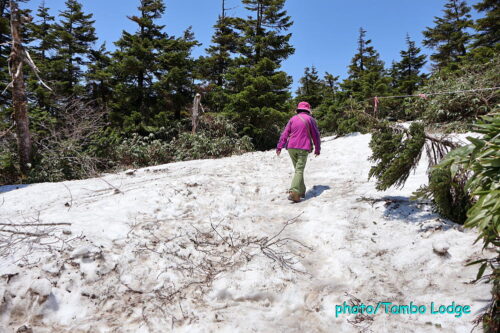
{"x": 8, "y": 188}
{"x": 402, "y": 208}
{"x": 316, "y": 191}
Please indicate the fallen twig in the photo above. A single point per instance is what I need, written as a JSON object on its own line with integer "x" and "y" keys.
{"x": 70, "y": 204}
{"x": 117, "y": 190}
{"x": 15, "y": 232}
{"x": 34, "y": 224}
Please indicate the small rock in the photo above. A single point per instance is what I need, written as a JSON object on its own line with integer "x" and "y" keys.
{"x": 130, "y": 172}
{"x": 441, "y": 248}
{"x": 24, "y": 329}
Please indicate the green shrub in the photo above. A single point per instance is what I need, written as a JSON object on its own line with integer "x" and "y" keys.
{"x": 485, "y": 181}
{"x": 484, "y": 162}
{"x": 463, "y": 107}
{"x": 66, "y": 160}
{"x": 344, "y": 118}
{"x": 447, "y": 186}
{"x": 9, "y": 172}
{"x": 216, "y": 137}
{"x": 138, "y": 151}
{"x": 63, "y": 146}
{"x": 465, "y": 187}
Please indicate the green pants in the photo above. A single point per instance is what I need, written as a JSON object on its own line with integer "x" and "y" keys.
{"x": 299, "y": 159}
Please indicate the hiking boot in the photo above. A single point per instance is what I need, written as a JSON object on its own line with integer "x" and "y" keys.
{"x": 294, "y": 196}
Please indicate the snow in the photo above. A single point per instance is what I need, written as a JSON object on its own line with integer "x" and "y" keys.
{"x": 41, "y": 287}
{"x": 189, "y": 246}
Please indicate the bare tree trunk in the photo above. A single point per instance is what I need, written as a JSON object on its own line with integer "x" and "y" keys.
{"x": 195, "y": 112}
{"x": 19, "y": 100}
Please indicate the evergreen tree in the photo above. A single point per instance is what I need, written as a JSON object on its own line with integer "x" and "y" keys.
{"x": 394, "y": 75}
{"x": 224, "y": 44}
{"x": 262, "y": 38}
{"x": 331, "y": 93}
{"x": 407, "y": 70}
{"x": 367, "y": 76}
{"x": 75, "y": 37}
{"x": 331, "y": 82}
{"x": 98, "y": 76}
{"x": 177, "y": 71}
{"x": 135, "y": 62}
{"x": 258, "y": 91}
{"x": 44, "y": 41}
{"x": 311, "y": 87}
{"x": 214, "y": 67}
{"x": 449, "y": 37}
{"x": 42, "y": 31}
{"x": 488, "y": 27}
{"x": 152, "y": 71}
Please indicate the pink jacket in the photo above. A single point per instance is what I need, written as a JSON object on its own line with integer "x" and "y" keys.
{"x": 296, "y": 134}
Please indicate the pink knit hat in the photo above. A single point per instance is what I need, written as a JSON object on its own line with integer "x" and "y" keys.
{"x": 304, "y": 106}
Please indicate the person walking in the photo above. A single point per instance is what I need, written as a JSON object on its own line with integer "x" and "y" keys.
{"x": 298, "y": 137}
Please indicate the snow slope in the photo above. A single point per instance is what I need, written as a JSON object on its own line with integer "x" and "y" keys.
{"x": 204, "y": 246}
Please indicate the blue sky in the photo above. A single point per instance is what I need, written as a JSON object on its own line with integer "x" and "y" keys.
{"x": 324, "y": 31}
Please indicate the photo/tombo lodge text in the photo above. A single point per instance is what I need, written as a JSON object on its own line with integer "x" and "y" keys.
{"x": 434, "y": 308}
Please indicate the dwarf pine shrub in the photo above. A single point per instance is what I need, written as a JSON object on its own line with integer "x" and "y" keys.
{"x": 396, "y": 153}
{"x": 464, "y": 100}
{"x": 216, "y": 137}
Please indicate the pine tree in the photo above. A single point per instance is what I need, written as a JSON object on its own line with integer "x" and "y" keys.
{"x": 262, "y": 38}
{"x": 258, "y": 90}
{"x": 488, "y": 27}
{"x": 42, "y": 32}
{"x": 449, "y": 37}
{"x": 177, "y": 71}
{"x": 224, "y": 44}
{"x": 394, "y": 75}
{"x": 135, "y": 62}
{"x": 75, "y": 37}
{"x": 407, "y": 70}
{"x": 98, "y": 77}
{"x": 152, "y": 71}
{"x": 44, "y": 41}
{"x": 215, "y": 66}
{"x": 331, "y": 81}
{"x": 311, "y": 87}
{"x": 367, "y": 76}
